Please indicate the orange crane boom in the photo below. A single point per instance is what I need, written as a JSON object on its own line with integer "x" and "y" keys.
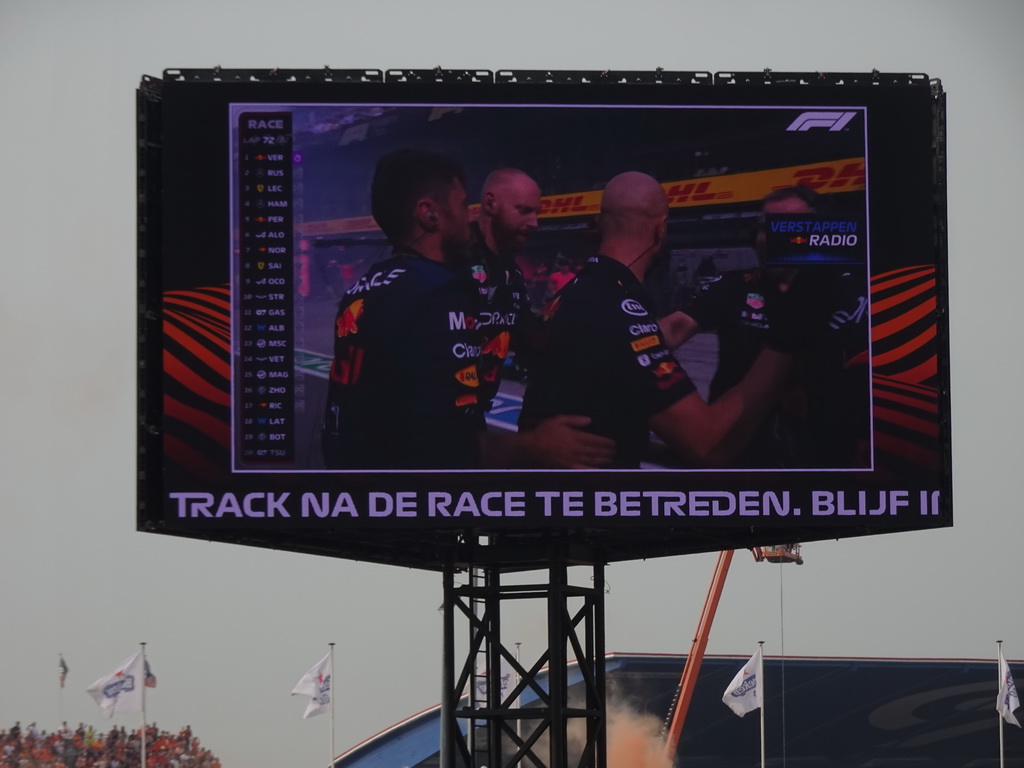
{"x": 695, "y": 657}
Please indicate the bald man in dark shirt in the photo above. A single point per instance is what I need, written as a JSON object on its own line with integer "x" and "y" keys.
{"x": 606, "y": 356}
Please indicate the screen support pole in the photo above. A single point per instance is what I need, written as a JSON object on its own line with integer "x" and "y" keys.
{"x": 519, "y": 714}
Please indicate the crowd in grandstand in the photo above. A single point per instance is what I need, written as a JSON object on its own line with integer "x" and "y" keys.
{"x": 87, "y": 747}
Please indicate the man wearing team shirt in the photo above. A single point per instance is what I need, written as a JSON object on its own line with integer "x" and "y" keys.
{"x": 605, "y": 356}
{"x": 402, "y": 390}
{"x": 404, "y": 386}
{"x": 509, "y": 204}
{"x": 821, "y": 419}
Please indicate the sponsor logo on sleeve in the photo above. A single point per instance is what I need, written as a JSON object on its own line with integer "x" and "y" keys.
{"x": 639, "y": 329}
{"x": 645, "y": 342}
{"x": 462, "y": 351}
{"x": 633, "y": 307}
{"x": 468, "y": 376}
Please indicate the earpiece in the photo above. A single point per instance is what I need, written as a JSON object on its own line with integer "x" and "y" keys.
{"x": 432, "y": 217}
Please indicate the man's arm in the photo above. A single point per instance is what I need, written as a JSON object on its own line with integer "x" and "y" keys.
{"x": 560, "y": 442}
{"x": 711, "y": 435}
{"x": 677, "y": 328}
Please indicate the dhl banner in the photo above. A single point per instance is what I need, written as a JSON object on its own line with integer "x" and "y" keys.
{"x": 833, "y": 176}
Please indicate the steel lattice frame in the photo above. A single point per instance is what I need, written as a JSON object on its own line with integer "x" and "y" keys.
{"x": 515, "y": 736}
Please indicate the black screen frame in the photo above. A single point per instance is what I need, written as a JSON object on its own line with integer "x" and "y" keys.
{"x": 183, "y": 135}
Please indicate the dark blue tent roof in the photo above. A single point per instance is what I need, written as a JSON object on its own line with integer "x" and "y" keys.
{"x": 830, "y": 713}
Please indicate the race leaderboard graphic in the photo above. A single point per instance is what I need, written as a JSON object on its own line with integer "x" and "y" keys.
{"x": 256, "y": 224}
{"x": 266, "y": 273}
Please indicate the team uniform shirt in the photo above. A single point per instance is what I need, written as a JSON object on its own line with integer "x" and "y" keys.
{"x": 505, "y": 319}
{"x": 737, "y": 306}
{"x": 603, "y": 356}
{"x": 403, "y": 389}
{"x": 824, "y": 411}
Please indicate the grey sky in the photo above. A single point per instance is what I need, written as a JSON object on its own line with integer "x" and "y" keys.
{"x": 231, "y": 630}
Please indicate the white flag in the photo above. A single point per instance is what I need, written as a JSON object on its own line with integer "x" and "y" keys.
{"x": 506, "y": 682}
{"x": 121, "y": 691}
{"x": 744, "y": 692}
{"x": 317, "y": 685}
{"x": 1007, "y": 700}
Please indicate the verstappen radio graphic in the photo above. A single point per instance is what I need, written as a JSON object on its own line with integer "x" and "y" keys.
{"x": 809, "y": 239}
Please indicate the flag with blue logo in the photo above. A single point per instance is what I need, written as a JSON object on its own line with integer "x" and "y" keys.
{"x": 1007, "y": 700}
{"x": 506, "y": 681}
{"x": 744, "y": 692}
{"x": 316, "y": 684}
{"x": 121, "y": 690}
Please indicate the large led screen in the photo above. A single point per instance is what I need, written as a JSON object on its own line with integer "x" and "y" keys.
{"x": 462, "y": 322}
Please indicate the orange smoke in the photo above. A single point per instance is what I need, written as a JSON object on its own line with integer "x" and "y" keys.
{"x": 635, "y": 740}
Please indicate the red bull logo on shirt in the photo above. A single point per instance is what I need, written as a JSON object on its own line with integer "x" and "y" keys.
{"x": 349, "y": 317}
{"x": 498, "y": 346}
{"x": 667, "y": 373}
{"x": 549, "y": 310}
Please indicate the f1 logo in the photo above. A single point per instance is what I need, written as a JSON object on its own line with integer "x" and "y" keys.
{"x": 834, "y": 121}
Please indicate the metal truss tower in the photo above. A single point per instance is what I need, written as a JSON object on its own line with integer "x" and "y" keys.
{"x": 482, "y": 723}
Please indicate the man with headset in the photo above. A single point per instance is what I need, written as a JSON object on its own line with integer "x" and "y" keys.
{"x": 606, "y": 356}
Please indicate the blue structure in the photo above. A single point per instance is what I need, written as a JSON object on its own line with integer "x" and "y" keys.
{"x": 827, "y": 713}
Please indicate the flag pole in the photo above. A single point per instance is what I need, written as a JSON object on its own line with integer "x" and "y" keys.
{"x": 760, "y": 693}
{"x": 60, "y": 693}
{"x": 143, "y": 684}
{"x": 518, "y": 702}
{"x": 333, "y": 753}
{"x": 999, "y": 672}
